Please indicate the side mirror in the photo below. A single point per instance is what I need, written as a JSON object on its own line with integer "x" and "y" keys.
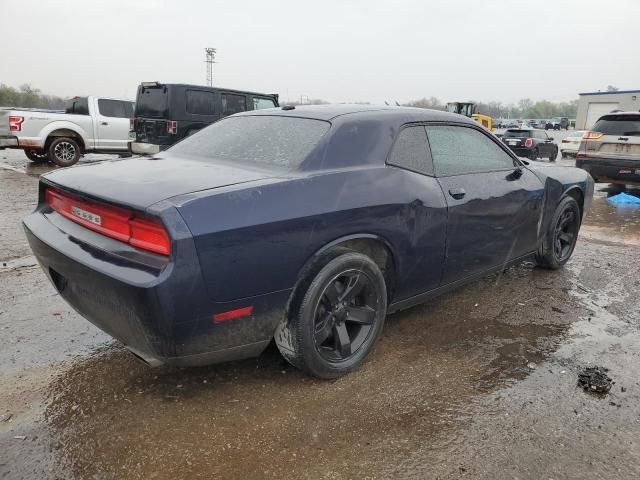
{"x": 551, "y": 139}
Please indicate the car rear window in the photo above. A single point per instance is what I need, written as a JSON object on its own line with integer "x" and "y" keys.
{"x": 152, "y": 102}
{"x": 625, "y": 125}
{"x": 518, "y": 133}
{"x": 271, "y": 140}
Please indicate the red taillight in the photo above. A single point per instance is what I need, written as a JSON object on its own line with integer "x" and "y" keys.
{"x": 581, "y": 155}
{"x": 113, "y": 222}
{"x": 172, "y": 127}
{"x": 132, "y": 124}
{"x": 232, "y": 314}
{"x": 591, "y": 135}
{"x": 149, "y": 235}
{"x": 15, "y": 124}
{"x": 528, "y": 142}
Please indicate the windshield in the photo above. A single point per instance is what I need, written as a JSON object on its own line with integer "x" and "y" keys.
{"x": 152, "y": 102}
{"x": 625, "y": 125}
{"x": 272, "y": 140}
{"x": 518, "y": 133}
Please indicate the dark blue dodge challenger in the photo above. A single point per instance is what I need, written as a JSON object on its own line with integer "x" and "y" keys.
{"x": 305, "y": 225}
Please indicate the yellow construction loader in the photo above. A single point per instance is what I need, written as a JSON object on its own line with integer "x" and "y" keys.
{"x": 468, "y": 109}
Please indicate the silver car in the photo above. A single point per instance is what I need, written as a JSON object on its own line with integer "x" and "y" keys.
{"x": 610, "y": 152}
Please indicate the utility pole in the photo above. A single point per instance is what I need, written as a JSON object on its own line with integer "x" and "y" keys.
{"x": 211, "y": 54}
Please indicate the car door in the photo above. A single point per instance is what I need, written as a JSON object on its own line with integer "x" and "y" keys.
{"x": 494, "y": 203}
{"x": 112, "y": 118}
{"x": 424, "y": 215}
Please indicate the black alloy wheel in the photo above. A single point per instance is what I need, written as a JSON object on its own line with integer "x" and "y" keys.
{"x": 344, "y": 315}
{"x": 565, "y": 235}
{"x": 335, "y": 315}
{"x": 561, "y": 236}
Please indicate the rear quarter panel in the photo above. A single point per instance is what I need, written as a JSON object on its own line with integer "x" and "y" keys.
{"x": 560, "y": 181}
{"x": 253, "y": 241}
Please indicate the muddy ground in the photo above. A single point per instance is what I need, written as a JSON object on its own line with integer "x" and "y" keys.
{"x": 480, "y": 383}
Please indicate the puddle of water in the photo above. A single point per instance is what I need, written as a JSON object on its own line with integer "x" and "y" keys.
{"x": 261, "y": 418}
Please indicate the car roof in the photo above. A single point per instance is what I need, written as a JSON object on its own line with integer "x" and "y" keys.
{"x": 622, "y": 114}
{"x": 389, "y": 113}
{"x": 206, "y": 87}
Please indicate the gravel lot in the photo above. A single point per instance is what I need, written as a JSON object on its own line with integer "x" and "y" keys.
{"x": 479, "y": 383}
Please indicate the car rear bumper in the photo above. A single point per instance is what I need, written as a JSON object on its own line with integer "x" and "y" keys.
{"x": 140, "y": 148}
{"x": 159, "y": 311}
{"x": 611, "y": 170}
{"x": 8, "y": 142}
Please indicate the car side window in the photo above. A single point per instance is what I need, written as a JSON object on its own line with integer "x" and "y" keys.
{"x": 115, "y": 108}
{"x": 260, "y": 103}
{"x": 200, "y": 102}
{"x": 232, "y": 103}
{"x": 458, "y": 150}
{"x": 411, "y": 151}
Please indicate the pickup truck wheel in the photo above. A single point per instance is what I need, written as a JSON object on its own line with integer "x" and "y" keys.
{"x": 337, "y": 318}
{"x": 64, "y": 151}
{"x": 560, "y": 239}
{"x": 37, "y": 156}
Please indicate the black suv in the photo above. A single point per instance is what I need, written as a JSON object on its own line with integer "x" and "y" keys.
{"x": 531, "y": 143}
{"x": 167, "y": 113}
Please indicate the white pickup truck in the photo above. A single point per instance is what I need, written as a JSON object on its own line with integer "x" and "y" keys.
{"x": 88, "y": 124}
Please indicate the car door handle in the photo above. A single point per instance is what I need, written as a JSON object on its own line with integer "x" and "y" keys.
{"x": 457, "y": 193}
{"x": 105, "y": 123}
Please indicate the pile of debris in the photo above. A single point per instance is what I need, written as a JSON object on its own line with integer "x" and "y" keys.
{"x": 595, "y": 379}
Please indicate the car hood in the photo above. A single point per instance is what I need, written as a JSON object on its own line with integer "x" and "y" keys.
{"x": 140, "y": 182}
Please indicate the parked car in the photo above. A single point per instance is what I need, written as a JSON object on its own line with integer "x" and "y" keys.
{"x": 307, "y": 225}
{"x": 88, "y": 124}
{"x": 531, "y": 143}
{"x": 564, "y": 122}
{"x": 167, "y": 113}
{"x": 570, "y": 144}
{"x": 552, "y": 124}
{"x": 611, "y": 151}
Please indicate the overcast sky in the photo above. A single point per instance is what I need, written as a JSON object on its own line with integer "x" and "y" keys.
{"x": 339, "y": 50}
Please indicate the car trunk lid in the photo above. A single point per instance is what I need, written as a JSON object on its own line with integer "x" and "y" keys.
{"x": 140, "y": 182}
{"x": 617, "y": 146}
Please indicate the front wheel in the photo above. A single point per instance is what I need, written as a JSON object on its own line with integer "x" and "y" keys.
{"x": 553, "y": 155}
{"x": 37, "y": 156}
{"x": 337, "y": 316}
{"x": 561, "y": 236}
{"x": 64, "y": 151}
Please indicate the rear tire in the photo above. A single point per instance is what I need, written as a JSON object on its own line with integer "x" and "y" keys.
{"x": 560, "y": 238}
{"x": 37, "y": 156}
{"x": 335, "y": 316}
{"x": 64, "y": 151}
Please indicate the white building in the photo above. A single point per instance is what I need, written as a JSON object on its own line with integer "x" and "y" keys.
{"x": 593, "y": 105}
